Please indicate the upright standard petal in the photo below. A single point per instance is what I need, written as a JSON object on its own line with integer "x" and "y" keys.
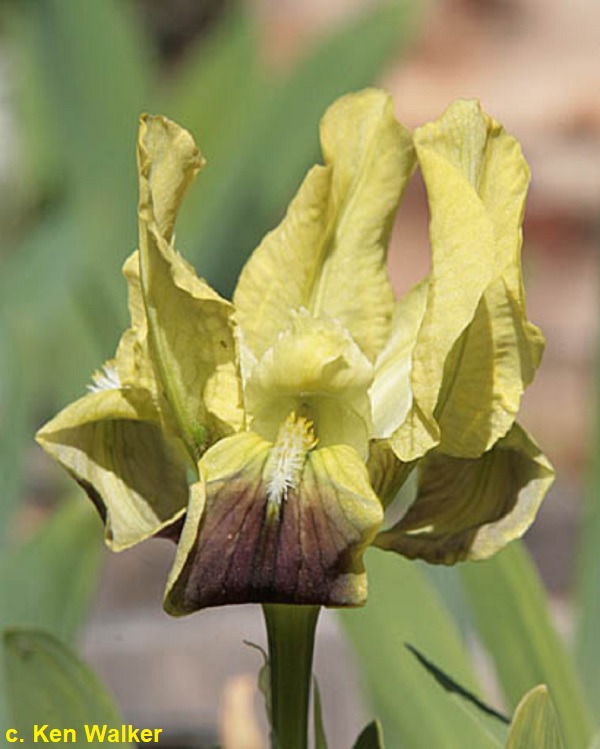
{"x": 328, "y": 254}
{"x": 487, "y": 371}
{"x": 304, "y": 547}
{"x": 471, "y": 508}
{"x": 168, "y": 161}
{"x": 475, "y": 351}
{"x": 111, "y": 442}
{"x": 190, "y": 327}
{"x": 391, "y": 391}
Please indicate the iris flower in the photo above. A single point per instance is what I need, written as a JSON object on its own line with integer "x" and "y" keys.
{"x": 268, "y": 435}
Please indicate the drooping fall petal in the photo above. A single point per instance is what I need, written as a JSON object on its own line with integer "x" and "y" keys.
{"x": 470, "y": 508}
{"x": 328, "y": 254}
{"x": 305, "y": 548}
{"x": 112, "y": 443}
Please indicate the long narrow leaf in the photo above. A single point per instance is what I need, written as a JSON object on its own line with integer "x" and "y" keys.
{"x": 14, "y": 416}
{"x": 511, "y": 613}
{"x": 213, "y": 90}
{"x": 47, "y": 685}
{"x": 318, "y": 726}
{"x": 48, "y": 581}
{"x": 453, "y": 687}
{"x": 89, "y": 73}
{"x": 587, "y": 642}
{"x": 371, "y": 737}
{"x": 588, "y": 602}
{"x": 92, "y": 73}
{"x": 404, "y": 607}
{"x": 219, "y": 94}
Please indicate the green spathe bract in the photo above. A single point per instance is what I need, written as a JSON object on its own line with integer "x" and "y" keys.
{"x": 297, "y": 410}
{"x": 535, "y": 725}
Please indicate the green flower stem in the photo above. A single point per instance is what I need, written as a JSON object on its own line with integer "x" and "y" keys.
{"x": 291, "y": 636}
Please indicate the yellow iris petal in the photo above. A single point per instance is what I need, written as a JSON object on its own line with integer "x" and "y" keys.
{"x": 112, "y": 443}
{"x": 201, "y": 382}
{"x": 391, "y": 392}
{"x": 328, "y": 254}
{"x": 469, "y": 508}
{"x": 475, "y": 350}
{"x": 133, "y": 361}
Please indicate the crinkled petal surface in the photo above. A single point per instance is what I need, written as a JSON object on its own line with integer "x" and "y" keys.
{"x": 190, "y": 327}
{"x": 471, "y": 508}
{"x": 112, "y": 444}
{"x": 168, "y": 162}
{"x": 475, "y": 350}
{"x": 486, "y": 373}
{"x": 306, "y": 550}
{"x": 328, "y": 254}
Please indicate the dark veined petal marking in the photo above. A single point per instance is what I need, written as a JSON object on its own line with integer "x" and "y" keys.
{"x": 304, "y": 549}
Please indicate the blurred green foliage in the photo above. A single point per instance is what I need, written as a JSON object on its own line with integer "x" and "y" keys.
{"x": 50, "y": 687}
